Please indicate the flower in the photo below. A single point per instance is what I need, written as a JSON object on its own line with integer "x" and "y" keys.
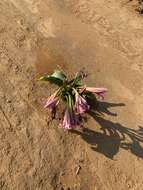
{"x": 75, "y": 97}
{"x": 51, "y": 102}
{"x": 81, "y": 105}
{"x": 98, "y": 91}
{"x": 70, "y": 120}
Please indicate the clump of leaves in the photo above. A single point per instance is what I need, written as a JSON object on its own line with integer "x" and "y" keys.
{"x": 73, "y": 95}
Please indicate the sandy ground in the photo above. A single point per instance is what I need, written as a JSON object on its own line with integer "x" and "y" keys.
{"x": 106, "y": 38}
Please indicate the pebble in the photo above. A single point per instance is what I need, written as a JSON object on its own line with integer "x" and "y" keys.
{"x": 141, "y": 8}
{"x": 8, "y": 101}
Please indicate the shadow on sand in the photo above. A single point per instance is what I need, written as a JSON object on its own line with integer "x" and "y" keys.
{"x": 113, "y": 135}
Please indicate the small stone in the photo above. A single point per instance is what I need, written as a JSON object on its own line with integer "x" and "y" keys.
{"x": 141, "y": 8}
{"x": 62, "y": 173}
{"x": 20, "y": 22}
{"x": 129, "y": 186}
{"x": 16, "y": 68}
{"x": 77, "y": 170}
{"x": 8, "y": 101}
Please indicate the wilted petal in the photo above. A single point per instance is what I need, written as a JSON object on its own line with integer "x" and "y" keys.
{"x": 66, "y": 124}
{"x": 81, "y": 104}
{"x": 98, "y": 91}
{"x": 70, "y": 120}
{"x": 51, "y": 102}
{"x": 81, "y": 74}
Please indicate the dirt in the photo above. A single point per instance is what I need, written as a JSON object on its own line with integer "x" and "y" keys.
{"x": 103, "y": 37}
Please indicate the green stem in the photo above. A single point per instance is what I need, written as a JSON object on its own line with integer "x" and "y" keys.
{"x": 70, "y": 101}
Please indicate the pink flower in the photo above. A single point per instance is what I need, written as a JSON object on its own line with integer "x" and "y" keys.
{"x": 81, "y": 105}
{"x": 70, "y": 120}
{"x": 51, "y": 102}
{"x": 100, "y": 92}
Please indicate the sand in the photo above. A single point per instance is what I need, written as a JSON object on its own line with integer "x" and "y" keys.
{"x": 106, "y": 39}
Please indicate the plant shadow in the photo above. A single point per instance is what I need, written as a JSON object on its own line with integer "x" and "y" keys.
{"x": 113, "y": 136}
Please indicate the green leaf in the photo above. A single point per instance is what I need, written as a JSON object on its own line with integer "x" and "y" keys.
{"x": 52, "y": 79}
{"x": 58, "y": 78}
{"x": 59, "y": 75}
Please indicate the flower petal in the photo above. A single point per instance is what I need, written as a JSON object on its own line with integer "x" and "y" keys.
{"x": 98, "y": 91}
{"x": 70, "y": 120}
{"x": 81, "y": 105}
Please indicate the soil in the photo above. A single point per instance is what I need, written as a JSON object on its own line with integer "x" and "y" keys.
{"x": 106, "y": 39}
